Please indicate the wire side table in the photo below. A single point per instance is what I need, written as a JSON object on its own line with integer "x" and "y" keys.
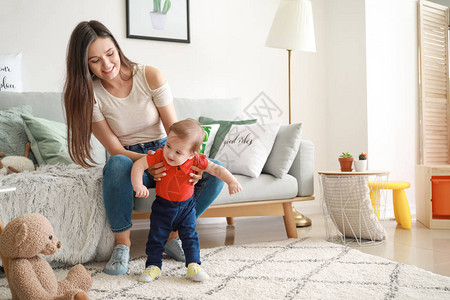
{"x": 352, "y": 208}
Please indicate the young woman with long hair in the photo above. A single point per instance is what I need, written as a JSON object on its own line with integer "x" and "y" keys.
{"x": 129, "y": 108}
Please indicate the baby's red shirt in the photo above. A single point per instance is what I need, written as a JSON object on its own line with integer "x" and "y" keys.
{"x": 175, "y": 186}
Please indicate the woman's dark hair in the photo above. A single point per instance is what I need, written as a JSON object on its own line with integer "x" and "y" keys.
{"x": 78, "y": 88}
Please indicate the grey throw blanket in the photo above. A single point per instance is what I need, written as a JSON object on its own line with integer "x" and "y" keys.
{"x": 71, "y": 198}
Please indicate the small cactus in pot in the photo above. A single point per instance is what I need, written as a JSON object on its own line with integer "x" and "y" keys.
{"x": 346, "y": 161}
{"x": 361, "y": 164}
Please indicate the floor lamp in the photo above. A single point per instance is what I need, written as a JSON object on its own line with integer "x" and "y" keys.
{"x": 293, "y": 29}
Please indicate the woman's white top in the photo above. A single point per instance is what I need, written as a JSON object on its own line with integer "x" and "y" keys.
{"x": 135, "y": 118}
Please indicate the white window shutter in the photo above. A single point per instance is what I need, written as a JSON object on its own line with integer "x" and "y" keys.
{"x": 434, "y": 83}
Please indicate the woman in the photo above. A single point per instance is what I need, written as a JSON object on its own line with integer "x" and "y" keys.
{"x": 129, "y": 108}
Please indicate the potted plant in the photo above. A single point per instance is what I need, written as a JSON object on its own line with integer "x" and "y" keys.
{"x": 361, "y": 163}
{"x": 159, "y": 14}
{"x": 346, "y": 161}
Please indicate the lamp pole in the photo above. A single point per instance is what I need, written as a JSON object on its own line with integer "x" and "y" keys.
{"x": 293, "y": 29}
{"x": 289, "y": 79}
{"x": 300, "y": 219}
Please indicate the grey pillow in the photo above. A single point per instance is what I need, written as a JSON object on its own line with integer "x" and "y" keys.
{"x": 12, "y": 133}
{"x": 284, "y": 150}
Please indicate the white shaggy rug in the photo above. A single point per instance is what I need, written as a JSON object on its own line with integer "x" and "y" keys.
{"x": 290, "y": 269}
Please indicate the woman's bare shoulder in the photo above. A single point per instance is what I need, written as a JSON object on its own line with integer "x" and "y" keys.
{"x": 154, "y": 77}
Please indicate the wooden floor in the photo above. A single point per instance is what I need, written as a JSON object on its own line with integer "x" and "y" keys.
{"x": 420, "y": 246}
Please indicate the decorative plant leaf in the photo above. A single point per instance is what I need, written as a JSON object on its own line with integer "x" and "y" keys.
{"x": 346, "y": 154}
{"x": 167, "y": 5}
{"x": 157, "y": 6}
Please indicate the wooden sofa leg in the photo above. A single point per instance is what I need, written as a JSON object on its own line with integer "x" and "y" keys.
{"x": 230, "y": 221}
{"x": 229, "y": 236}
{"x": 289, "y": 221}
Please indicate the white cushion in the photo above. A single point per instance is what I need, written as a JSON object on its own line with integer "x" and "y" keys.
{"x": 284, "y": 150}
{"x": 245, "y": 148}
{"x": 347, "y": 200}
{"x": 210, "y": 134}
{"x": 11, "y": 72}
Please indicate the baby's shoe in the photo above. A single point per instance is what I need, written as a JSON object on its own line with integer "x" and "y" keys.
{"x": 196, "y": 273}
{"x": 150, "y": 273}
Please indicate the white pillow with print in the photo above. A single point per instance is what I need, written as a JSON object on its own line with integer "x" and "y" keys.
{"x": 245, "y": 148}
{"x": 210, "y": 134}
{"x": 11, "y": 72}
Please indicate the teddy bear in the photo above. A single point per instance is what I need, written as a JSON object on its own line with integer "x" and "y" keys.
{"x": 16, "y": 164}
{"x": 29, "y": 275}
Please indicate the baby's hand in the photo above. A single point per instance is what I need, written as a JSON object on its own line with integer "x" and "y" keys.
{"x": 141, "y": 191}
{"x": 234, "y": 188}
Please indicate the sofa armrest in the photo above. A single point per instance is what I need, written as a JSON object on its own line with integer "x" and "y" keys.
{"x": 303, "y": 168}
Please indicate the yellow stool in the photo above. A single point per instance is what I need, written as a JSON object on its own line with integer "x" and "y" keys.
{"x": 401, "y": 207}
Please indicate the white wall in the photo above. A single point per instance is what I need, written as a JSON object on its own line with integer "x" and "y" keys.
{"x": 365, "y": 62}
{"x": 346, "y": 86}
{"x": 392, "y": 90}
{"x": 226, "y": 56}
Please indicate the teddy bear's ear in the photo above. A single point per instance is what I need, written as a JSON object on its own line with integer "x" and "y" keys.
{"x": 21, "y": 235}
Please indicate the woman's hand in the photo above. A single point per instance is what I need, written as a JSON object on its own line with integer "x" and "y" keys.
{"x": 196, "y": 175}
{"x": 157, "y": 170}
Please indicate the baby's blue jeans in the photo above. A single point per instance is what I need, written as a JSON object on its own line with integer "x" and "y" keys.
{"x": 170, "y": 216}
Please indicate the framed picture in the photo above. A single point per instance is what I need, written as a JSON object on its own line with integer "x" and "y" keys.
{"x": 161, "y": 20}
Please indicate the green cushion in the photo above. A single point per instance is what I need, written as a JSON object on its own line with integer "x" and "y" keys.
{"x": 222, "y": 132}
{"x": 12, "y": 133}
{"x": 48, "y": 140}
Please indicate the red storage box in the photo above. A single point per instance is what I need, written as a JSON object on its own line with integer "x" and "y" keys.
{"x": 440, "y": 194}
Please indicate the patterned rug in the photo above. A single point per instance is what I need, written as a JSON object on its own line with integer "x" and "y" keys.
{"x": 290, "y": 269}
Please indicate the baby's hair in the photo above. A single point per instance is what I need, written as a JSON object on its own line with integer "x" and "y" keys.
{"x": 189, "y": 129}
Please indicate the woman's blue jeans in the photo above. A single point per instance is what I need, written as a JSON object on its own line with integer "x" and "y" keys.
{"x": 118, "y": 193}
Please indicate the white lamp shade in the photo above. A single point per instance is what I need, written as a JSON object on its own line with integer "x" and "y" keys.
{"x": 293, "y": 27}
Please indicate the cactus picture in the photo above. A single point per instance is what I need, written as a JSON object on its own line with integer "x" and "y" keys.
{"x": 160, "y": 20}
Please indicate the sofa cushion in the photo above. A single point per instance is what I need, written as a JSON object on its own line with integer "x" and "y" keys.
{"x": 223, "y": 130}
{"x": 12, "y": 133}
{"x": 284, "y": 150}
{"x": 49, "y": 142}
{"x": 11, "y": 72}
{"x": 245, "y": 148}
{"x": 265, "y": 187}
